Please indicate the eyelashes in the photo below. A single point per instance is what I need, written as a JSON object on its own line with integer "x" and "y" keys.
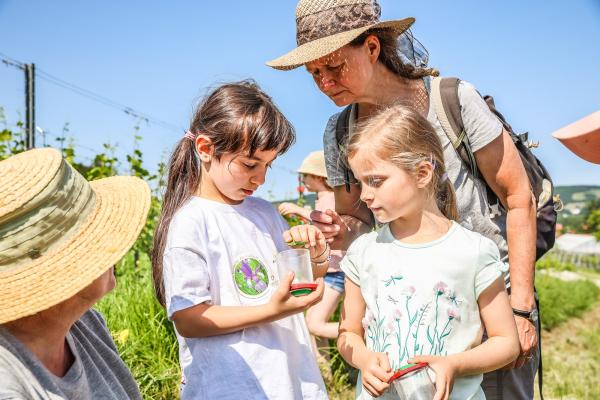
{"x": 374, "y": 181}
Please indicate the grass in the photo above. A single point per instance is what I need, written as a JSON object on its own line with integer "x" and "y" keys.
{"x": 142, "y": 332}
{"x": 571, "y": 355}
{"x": 561, "y": 300}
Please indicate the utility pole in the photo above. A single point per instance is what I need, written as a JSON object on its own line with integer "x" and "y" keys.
{"x": 29, "y": 105}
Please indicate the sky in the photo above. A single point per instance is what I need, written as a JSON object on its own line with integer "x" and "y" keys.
{"x": 540, "y": 59}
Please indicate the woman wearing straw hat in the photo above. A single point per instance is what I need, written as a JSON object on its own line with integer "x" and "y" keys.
{"x": 60, "y": 237}
{"x": 353, "y": 58}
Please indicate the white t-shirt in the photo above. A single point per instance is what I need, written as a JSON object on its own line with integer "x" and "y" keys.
{"x": 422, "y": 298}
{"x": 224, "y": 255}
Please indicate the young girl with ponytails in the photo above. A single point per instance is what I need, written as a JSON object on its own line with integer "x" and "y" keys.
{"x": 421, "y": 288}
{"x": 240, "y": 332}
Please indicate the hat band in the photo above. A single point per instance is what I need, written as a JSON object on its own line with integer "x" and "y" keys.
{"x": 47, "y": 220}
{"x": 336, "y": 20}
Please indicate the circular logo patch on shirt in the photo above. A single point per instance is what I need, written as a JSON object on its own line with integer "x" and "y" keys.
{"x": 250, "y": 276}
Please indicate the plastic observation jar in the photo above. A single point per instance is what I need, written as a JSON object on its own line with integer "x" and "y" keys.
{"x": 412, "y": 382}
{"x": 297, "y": 261}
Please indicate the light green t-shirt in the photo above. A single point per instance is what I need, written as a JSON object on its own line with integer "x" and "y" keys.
{"x": 422, "y": 298}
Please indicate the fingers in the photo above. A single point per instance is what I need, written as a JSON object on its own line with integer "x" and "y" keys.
{"x": 312, "y": 236}
{"x": 384, "y": 363}
{"x": 321, "y": 217}
{"x": 286, "y": 281}
{"x": 287, "y": 237}
{"x": 317, "y": 295}
{"x": 442, "y": 390}
{"x": 374, "y": 386}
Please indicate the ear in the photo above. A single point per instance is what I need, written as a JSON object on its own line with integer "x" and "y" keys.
{"x": 205, "y": 148}
{"x": 373, "y": 46}
{"x": 424, "y": 174}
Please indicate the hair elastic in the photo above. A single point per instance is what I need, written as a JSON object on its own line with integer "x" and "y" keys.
{"x": 189, "y": 135}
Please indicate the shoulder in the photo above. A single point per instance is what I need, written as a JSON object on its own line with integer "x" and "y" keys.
{"x": 364, "y": 241}
{"x": 188, "y": 224}
{"x": 17, "y": 380}
{"x": 329, "y": 134}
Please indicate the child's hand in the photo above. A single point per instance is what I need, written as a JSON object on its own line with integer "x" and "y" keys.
{"x": 289, "y": 208}
{"x": 310, "y": 237}
{"x": 445, "y": 372}
{"x": 375, "y": 372}
{"x": 283, "y": 303}
{"x": 329, "y": 222}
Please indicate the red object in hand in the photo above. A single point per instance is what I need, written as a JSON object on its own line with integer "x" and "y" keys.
{"x": 300, "y": 189}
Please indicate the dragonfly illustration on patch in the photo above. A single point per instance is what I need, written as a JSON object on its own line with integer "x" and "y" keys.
{"x": 252, "y": 278}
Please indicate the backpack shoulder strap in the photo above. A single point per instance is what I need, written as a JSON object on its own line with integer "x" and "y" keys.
{"x": 446, "y": 104}
{"x": 342, "y": 131}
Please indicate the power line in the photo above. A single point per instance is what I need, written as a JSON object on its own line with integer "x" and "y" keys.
{"x": 9, "y": 61}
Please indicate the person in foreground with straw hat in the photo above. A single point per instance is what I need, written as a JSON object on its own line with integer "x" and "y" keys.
{"x": 354, "y": 59}
{"x": 60, "y": 237}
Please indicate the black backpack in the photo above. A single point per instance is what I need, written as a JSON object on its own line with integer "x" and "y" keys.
{"x": 447, "y": 106}
{"x": 445, "y": 100}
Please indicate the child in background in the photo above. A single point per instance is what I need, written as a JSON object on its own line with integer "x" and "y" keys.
{"x": 241, "y": 334}
{"x": 314, "y": 177}
{"x": 421, "y": 288}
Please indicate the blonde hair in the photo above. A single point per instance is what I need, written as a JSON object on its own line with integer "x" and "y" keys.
{"x": 404, "y": 137}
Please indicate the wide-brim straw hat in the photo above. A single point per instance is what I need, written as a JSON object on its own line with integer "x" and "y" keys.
{"x": 59, "y": 232}
{"x": 314, "y": 164}
{"x": 324, "y": 26}
{"x": 582, "y": 137}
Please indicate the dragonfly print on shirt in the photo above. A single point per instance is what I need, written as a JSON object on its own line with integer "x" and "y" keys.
{"x": 403, "y": 324}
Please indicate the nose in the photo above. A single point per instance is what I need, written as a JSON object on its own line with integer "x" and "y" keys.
{"x": 326, "y": 80}
{"x": 259, "y": 178}
{"x": 366, "y": 195}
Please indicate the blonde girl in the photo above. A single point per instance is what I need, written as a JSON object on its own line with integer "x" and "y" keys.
{"x": 421, "y": 288}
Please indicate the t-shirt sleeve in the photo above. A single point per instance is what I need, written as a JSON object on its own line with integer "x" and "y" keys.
{"x": 186, "y": 278}
{"x": 480, "y": 124}
{"x": 334, "y": 163}
{"x": 352, "y": 261}
{"x": 489, "y": 265}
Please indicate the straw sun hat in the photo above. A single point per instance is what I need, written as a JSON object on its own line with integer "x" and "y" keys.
{"x": 314, "y": 164}
{"x": 58, "y": 232}
{"x": 323, "y": 26}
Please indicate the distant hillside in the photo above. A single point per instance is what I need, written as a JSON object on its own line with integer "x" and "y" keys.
{"x": 570, "y": 194}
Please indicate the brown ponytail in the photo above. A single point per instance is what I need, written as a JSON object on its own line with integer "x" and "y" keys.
{"x": 237, "y": 117}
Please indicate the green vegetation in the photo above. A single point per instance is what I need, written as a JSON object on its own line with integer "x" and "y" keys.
{"x": 142, "y": 332}
{"x": 561, "y": 300}
{"x": 571, "y": 355}
{"x": 569, "y": 194}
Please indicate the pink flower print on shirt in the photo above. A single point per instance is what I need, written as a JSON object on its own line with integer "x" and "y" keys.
{"x": 453, "y": 313}
{"x": 390, "y": 326}
{"x": 367, "y": 319}
{"x": 440, "y": 288}
{"x": 409, "y": 291}
{"x": 397, "y": 314}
